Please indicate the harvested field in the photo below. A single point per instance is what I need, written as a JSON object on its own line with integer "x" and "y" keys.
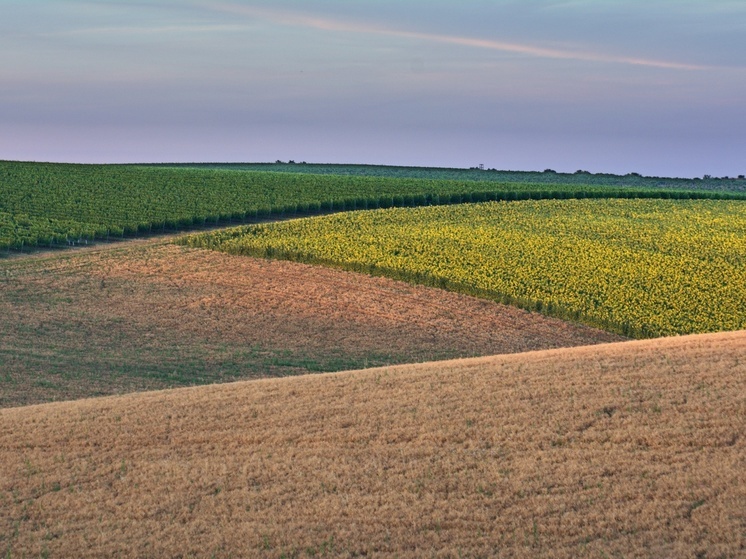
{"x": 149, "y": 315}
{"x": 635, "y": 449}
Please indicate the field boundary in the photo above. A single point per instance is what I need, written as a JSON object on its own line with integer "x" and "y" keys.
{"x": 429, "y": 280}
{"x": 295, "y": 242}
{"x": 88, "y": 233}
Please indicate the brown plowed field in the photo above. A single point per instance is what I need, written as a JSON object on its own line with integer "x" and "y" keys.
{"x": 148, "y": 315}
{"x": 635, "y": 449}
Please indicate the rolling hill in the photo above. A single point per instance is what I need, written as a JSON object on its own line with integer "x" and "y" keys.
{"x": 146, "y": 314}
{"x": 634, "y": 449}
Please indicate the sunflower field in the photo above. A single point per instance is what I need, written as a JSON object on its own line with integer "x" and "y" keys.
{"x": 642, "y": 268}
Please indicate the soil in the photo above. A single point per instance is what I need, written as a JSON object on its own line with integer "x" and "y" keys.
{"x": 148, "y": 314}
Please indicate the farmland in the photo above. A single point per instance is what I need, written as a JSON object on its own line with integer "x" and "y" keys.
{"x": 642, "y": 268}
{"x": 636, "y": 449}
{"x": 147, "y": 314}
{"x": 45, "y": 205}
{"x": 548, "y": 177}
{"x": 435, "y": 423}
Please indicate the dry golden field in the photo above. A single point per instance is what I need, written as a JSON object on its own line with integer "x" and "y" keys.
{"x": 147, "y": 314}
{"x": 635, "y": 449}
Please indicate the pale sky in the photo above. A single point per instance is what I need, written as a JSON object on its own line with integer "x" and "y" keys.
{"x": 651, "y": 86}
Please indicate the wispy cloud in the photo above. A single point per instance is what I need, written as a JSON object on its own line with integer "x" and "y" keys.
{"x": 155, "y": 30}
{"x": 330, "y": 24}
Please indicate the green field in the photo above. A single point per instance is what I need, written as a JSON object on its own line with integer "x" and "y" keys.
{"x": 641, "y": 268}
{"x": 45, "y": 204}
{"x": 630, "y": 180}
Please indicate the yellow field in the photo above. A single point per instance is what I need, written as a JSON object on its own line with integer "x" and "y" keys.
{"x": 634, "y": 449}
{"x": 643, "y": 268}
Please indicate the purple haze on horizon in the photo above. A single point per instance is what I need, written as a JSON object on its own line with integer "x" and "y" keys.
{"x": 655, "y": 87}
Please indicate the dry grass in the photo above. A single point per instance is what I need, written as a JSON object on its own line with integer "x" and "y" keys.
{"x": 146, "y": 315}
{"x": 635, "y": 449}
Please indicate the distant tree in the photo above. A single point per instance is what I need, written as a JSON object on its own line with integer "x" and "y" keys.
{"x": 549, "y": 171}
{"x": 742, "y": 177}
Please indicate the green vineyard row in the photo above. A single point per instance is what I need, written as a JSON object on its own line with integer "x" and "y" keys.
{"x": 45, "y": 204}
{"x": 475, "y": 174}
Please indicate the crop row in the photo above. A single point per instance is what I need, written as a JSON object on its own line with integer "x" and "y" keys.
{"x": 641, "y": 268}
{"x": 18, "y": 231}
{"x": 57, "y": 202}
{"x": 630, "y": 180}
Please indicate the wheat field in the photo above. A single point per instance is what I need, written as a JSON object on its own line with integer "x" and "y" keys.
{"x": 633, "y": 449}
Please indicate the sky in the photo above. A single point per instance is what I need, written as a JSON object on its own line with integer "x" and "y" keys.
{"x": 608, "y": 86}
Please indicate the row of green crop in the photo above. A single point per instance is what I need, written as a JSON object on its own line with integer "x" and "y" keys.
{"x": 100, "y": 201}
{"x": 21, "y": 231}
{"x": 629, "y": 180}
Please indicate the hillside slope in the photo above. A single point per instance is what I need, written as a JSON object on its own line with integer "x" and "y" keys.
{"x": 150, "y": 315}
{"x": 635, "y": 449}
